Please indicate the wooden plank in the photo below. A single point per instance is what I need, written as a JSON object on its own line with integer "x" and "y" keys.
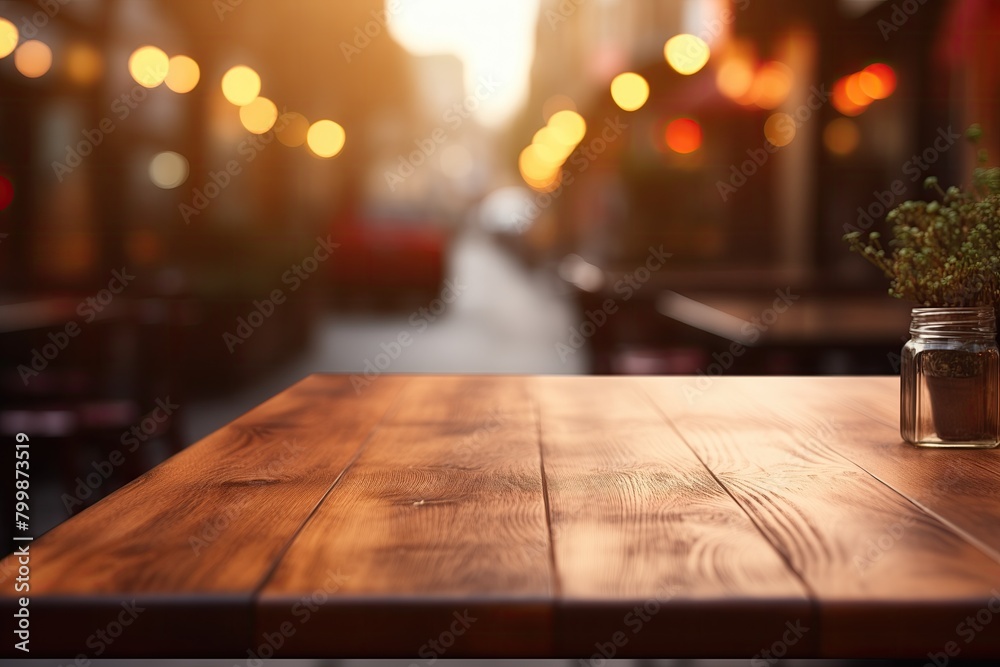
{"x": 653, "y": 556}
{"x": 679, "y": 523}
{"x": 193, "y": 538}
{"x": 872, "y": 558}
{"x": 440, "y": 520}
{"x": 959, "y": 488}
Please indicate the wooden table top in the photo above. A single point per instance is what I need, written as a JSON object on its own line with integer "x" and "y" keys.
{"x": 451, "y": 516}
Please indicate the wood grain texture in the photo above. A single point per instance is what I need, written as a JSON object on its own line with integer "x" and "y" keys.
{"x": 202, "y": 530}
{"x": 443, "y": 517}
{"x": 958, "y": 486}
{"x": 639, "y": 523}
{"x": 861, "y": 547}
{"x": 442, "y": 513}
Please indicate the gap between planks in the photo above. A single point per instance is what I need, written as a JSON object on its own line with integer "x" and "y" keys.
{"x": 256, "y": 592}
{"x": 553, "y": 567}
{"x": 957, "y": 530}
{"x": 813, "y": 597}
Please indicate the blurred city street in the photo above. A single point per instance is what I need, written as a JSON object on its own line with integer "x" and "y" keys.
{"x": 204, "y": 203}
{"x": 507, "y": 319}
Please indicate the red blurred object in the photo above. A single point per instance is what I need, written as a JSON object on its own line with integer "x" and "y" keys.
{"x": 6, "y": 192}
{"x": 886, "y": 78}
{"x": 388, "y": 254}
{"x": 684, "y": 135}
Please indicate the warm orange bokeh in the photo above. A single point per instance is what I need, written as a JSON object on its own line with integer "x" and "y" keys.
{"x": 842, "y": 102}
{"x": 684, "y": 135}
{"x": 878, "y": 81}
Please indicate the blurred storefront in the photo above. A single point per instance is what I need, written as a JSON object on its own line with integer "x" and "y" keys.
{"x": 191, "y": 193}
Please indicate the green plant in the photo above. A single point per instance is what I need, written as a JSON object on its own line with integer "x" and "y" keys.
{"x": 943, "y": 253}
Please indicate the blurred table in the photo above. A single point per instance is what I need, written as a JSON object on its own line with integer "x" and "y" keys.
{"x": 441, "y": 516}
{"x": 36, "y": 314}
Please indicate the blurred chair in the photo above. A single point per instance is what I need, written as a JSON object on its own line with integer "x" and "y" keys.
{"x": 78, "y": 405}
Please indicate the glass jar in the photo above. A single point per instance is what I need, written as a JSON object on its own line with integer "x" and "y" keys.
{"x": 949, "y": 377}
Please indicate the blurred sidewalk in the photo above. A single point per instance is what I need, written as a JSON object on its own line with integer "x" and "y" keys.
{"x": 504, "y": 320}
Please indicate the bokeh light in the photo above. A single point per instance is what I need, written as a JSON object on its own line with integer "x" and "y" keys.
{"x": 734, "y": 78}
{"x": 877, "y": 81}
{"x": 629, "y": 91}
{"x": 33, "y": 59}
{"x": 168, "y": 170}
{"x": 8, "y": 38}
{"x": 852, "y": 88}
{"x": 293, "y": 129}
{"x": 843, "y": 103}
{"x": 538, "y": 163}
{"x": 841, "y": 136}
{"x": 183, "y": 74}
{"x": 557, "y": 103}
{"x": 326, "y": 138}
{"x": 568, "y": 127}
{"x": 548, "y": 184}
{"x": 6, "y": 192}
{"x": 84, "y": 64}
{"x": 779, "y": 129}
{"x": 541, "y": 165}
{"x": 536, "y": 175}
{"x": 547, "y": 137}
{"x": 259, "y": 116}
{"x": 772, "y": 84}
{"x": 241, "y": 85}
{"x": 687, "y": 54}
{"x": 683, "y": 135}
{"x": 148, "y": 65}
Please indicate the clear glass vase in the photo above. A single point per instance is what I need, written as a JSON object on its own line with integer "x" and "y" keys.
{"x": 949, "y": 377}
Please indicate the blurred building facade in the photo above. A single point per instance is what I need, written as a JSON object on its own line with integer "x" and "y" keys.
{"x": 163, "y": 231}
{"x": 783, "y": 165}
